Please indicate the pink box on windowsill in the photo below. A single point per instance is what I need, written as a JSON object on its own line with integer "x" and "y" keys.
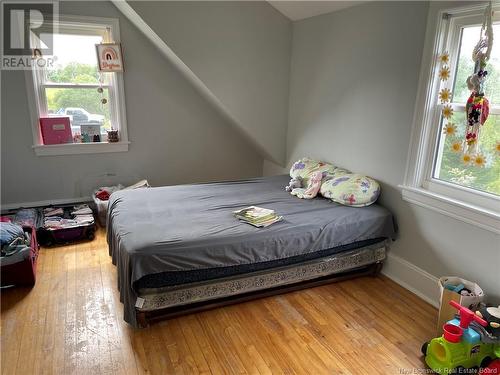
{"x": 56, "y": 130}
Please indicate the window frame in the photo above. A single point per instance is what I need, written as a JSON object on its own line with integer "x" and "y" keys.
{"x": 420, "y": 187}
{"x": 109, "y": 29}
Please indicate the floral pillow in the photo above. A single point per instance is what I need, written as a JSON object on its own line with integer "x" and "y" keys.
{"x": 351, "y": 190}
{"x": 305, "y": 167}
{"x": 336, "y": 172}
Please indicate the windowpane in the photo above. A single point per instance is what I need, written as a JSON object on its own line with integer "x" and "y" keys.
{"x": 450, "y": 165}
{"x": 82, "y": 105}
{"x": 454, "y": 170}
{"x": 470, "y": 36}
{"x": 76, "y": 60}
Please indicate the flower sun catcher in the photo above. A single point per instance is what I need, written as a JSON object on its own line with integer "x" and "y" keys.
{"x": 477, "y": 106}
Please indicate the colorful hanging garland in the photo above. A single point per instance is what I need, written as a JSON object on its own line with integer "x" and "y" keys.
{"x": 477, "y": 107}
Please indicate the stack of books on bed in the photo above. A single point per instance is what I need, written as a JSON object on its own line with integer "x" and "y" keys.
{"x": 257, "y": 216}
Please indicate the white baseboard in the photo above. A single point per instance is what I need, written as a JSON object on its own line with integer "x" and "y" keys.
{"x": 413, "y": 278}
{"x": 54, "y": 202}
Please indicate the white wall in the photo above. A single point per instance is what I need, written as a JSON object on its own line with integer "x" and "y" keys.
{"x": 240, "y": 50}
{"x": 176, "y": 136}
{"x": 353, "y": 85}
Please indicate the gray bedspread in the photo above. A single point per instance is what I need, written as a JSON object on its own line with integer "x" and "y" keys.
{"x": 189, "y": 227}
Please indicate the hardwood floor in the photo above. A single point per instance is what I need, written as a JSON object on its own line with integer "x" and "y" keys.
{"x": 71, "y": 323}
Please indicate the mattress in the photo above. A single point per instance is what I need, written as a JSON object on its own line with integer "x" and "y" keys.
{"x": 177, "y": 278}
{"x": 188, "y": 228}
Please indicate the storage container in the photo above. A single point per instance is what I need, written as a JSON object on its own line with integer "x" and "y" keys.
{"x": 60, "y": 236}
{"x": 20, "y": 267}
{"x": 447, "y": 312}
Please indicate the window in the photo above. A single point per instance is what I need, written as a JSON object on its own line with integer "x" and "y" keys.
{"x": 74, "y": 87}
{"x": 437, "y": 176}
{"x": 448, "y": 165}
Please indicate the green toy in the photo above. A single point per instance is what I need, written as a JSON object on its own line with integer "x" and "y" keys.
{"x": 460, "y": 347}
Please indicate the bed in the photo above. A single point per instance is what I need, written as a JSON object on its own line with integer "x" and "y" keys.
{"x": 179, "y": 249}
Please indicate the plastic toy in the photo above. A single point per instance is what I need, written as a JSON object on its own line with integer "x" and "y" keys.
{"x": 461, "y": 346}
{"x": 295, "y": 182}
{"x": 493, "y": 368}
{"x": 492, "y": 315}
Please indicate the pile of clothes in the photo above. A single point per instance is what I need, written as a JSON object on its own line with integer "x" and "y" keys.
{"x": 13, "y": 238}
{"x": 105, "y": 192}
{"x": 59, "y": 218}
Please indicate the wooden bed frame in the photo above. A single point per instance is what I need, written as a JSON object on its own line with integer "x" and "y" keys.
{"x": 145, "y": 318}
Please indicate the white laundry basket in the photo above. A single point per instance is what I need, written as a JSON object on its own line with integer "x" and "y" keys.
{"x": 102, "y": 206}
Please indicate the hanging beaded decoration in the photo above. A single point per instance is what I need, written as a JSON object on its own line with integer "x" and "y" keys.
{"x": 477, "y": 106}
{"x": 100, "y": 90}
{"x": 104, "y": 101}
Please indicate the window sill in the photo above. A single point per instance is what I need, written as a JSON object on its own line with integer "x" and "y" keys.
{"x": 80, "y": 148}
{"x": 468, "y": 213}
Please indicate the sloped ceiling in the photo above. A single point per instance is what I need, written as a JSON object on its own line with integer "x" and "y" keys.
{"x": 219, "y": 47}
{"x": 297, "y": 10}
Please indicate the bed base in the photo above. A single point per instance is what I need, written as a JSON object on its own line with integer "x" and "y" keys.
{"x": 145, "y": 318}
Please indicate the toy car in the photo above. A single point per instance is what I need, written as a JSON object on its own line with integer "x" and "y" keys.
{"x": 460, "y": 347}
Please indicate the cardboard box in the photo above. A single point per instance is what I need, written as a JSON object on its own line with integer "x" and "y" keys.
{"x": 447, "y": 312}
